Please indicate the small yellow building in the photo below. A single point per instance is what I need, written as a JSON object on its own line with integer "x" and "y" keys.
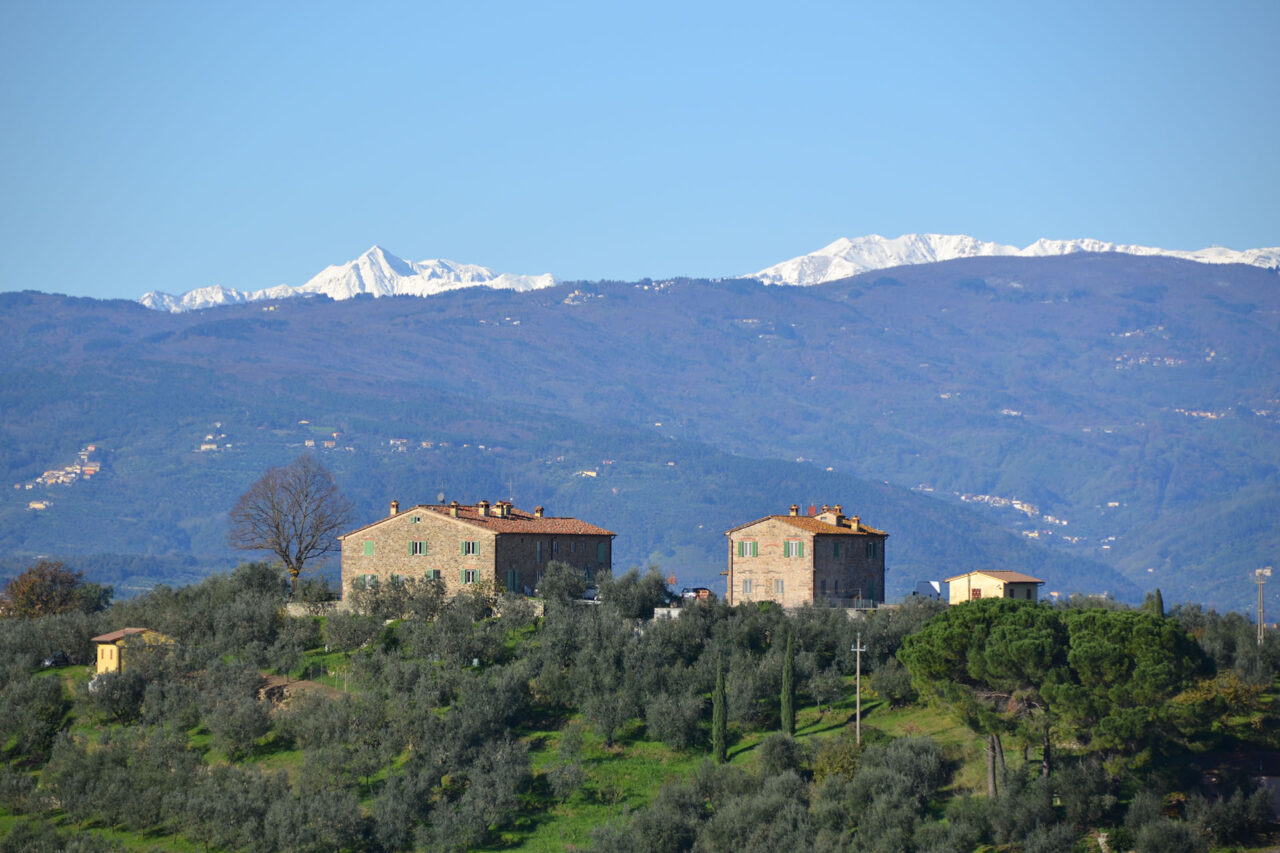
{"x": 112, "y": 646}
{"x": 993, "y": 584}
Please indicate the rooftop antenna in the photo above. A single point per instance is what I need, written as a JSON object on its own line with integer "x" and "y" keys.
{"x": 1260, "y": 577}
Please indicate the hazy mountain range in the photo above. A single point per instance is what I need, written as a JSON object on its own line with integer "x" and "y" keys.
{"x": 1107, "y": 421}
{"x": 379, "y": 273}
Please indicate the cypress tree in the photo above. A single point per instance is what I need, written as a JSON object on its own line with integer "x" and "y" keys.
{"x": 719, "y": 721}
{"x": 789, "y": 689}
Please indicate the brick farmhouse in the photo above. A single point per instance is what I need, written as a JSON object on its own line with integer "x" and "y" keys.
{"x": 801, "y": 559}
{"x": 466, "y": 544}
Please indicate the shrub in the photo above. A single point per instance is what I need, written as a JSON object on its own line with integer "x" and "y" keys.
{"x": 674, "y": 719}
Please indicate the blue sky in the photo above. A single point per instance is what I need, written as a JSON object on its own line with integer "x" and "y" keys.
{"x": 176, "y": 145}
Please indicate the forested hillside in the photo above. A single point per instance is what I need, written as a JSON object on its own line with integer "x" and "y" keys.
{"x": 1102, "y": 411}
{"x": 416, "y": 722}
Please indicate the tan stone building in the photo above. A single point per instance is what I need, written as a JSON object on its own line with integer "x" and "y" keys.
{"x": 466, "y": 544}
{"x": 800, "y": 559}
{"x": 993, "y": 584}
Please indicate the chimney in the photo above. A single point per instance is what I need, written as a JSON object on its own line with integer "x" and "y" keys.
{"x": 453, "y": 508}
{"x": 537, "y": 512}
{"x": 395, "y": 507}
{"x": 839, "y": 509}
{"x": 854, "y": 520}
{"x": 826, "y": 508}
{"x": 482, "y": 509}
{"x": 795, "y": 509}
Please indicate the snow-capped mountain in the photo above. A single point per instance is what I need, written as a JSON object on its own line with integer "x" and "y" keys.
{"x": 376, "y": 272}
{"x": 847, "y": 257}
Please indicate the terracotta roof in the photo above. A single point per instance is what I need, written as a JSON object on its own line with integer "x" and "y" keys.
{"x": 517, "y": 521}
{"x": 810, "y": 524}
{"x": 118, "y": 635}
{"x": 1007, "y": 577}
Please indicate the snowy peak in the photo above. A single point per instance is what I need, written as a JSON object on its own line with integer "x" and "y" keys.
{"x": 846, "y": 257}
{"x": 377, "y": 273}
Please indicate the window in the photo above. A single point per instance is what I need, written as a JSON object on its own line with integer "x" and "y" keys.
{"x": 434, "y": 574}
{"x": 573, "y": 546}
{"x": 417, "y": 549}
{"x": 538, "y": 548}
{"x": 1028, "y": 591}
{"x": 822, "y": 586}
{"x": 977, "y": 593}
{"x": 368, "y": 547}
{"x": 601, "y": 552}
{"x": 513, "y": 580}
{"x": 398, "y": 580}
{"x": 837, "y": 586}
{"x": 748, "y": 549}
{"x": 835, "y": 548}
{"x": 470, "y": 575}
{"x": 365, "y": 582}
{"x": 746, "y": 586}
{"x": 470, "y": 548}
{"x": 792, "y": 548}
{"x": 414, "y": 519}
{"x": 873, "y": 549}
{"x": 555, "y": 547}
{"x": 777, "y": 587}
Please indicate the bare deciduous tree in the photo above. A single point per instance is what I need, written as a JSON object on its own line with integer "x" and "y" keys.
{"x": 294, "y": 511}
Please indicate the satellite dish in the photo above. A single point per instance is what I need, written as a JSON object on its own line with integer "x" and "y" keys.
{"x": 440, "y": 498}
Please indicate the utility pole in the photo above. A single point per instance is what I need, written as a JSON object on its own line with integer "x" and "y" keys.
{"x": 858, "y": 649}
{"x": 1260, "y": 577}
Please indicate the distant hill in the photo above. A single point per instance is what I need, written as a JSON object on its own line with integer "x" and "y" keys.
{"x": 1106, "y": 421}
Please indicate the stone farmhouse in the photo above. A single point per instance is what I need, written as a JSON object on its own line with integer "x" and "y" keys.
{"x": 467, "y": 544}
{"x": 799, "y": 559}
{"x": 993, "y": 584}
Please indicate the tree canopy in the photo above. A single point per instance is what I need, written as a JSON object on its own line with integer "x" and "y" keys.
{"x": 48, "y": 588}
{"x": 294, "y": 511}
{"x": 1106, "y": 676}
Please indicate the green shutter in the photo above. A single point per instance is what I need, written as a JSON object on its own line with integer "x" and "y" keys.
{"x": 800, "y": 549}
{"x": 368, "y": 547}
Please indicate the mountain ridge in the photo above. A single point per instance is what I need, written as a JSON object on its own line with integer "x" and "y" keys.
{"x": 376, "y": 272}
{"x": 379, "y": 273}
{"x": 848, "y": 257}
